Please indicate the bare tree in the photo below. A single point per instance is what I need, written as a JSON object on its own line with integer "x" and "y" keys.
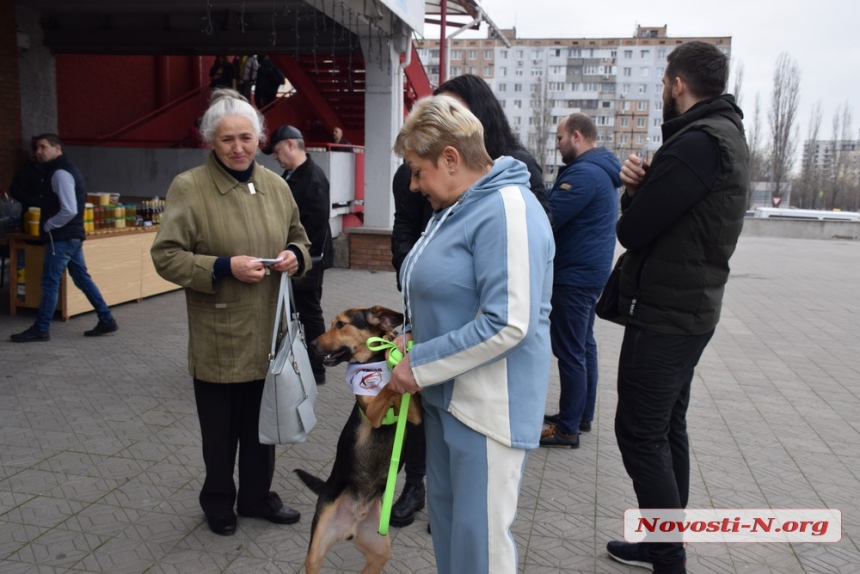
{"x": 838, "y": 176}
{"x": 754, "y": 144}
{"x": 539, "y": 128}
{"x": 811, "y": 175}
{"x": 783, "y": 114}
{"x": 738, "y": 82}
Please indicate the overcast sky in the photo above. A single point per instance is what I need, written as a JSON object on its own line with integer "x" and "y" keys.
{"x": 821, "y": 36}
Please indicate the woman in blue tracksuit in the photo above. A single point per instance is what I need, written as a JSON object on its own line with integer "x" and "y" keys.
{"x": 476, "y": 289}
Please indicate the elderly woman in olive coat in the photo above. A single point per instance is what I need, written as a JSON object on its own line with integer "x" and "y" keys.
{"x": 220, "y": 219}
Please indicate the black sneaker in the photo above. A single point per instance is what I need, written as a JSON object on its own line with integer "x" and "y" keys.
{"x": 585, "y": 426}
{"x": 31, "y": 335}
{"x": 552, "y": 437}
{"x": 102, "y": 328}
{"x": 630, "y": 554}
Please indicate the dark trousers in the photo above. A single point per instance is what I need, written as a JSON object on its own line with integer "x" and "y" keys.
{"x": 229, "y": 415}
{"x": 308, "y": 296}
{"x": 415, "y": 453}
{"x": 573, "y": 344}
{"x": 655, "y": 371}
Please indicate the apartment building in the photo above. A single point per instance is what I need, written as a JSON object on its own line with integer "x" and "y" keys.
{"x": 828, "y": 155}
{"x": 538, "y": 81}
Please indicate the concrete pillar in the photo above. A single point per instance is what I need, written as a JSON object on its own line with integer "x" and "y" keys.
{"x": 10, "y": 97}
{"x": 383, "y": 119}
{"x": 37, "y": 70}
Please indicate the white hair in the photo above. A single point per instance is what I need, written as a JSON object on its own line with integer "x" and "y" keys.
{"x": 226, "y": 102}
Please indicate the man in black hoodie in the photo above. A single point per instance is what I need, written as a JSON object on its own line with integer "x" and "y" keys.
{"x": 681, "y": 219}
{"x": 62, "y": 226}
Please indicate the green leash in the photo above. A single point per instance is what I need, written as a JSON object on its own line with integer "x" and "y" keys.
{"x": 394, "y": 357}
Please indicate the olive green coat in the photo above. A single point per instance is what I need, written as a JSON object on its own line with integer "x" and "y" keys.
{"x": 209, "y": 214}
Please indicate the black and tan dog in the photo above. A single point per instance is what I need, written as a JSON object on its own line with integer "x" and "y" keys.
{"x": 350, "y": 501}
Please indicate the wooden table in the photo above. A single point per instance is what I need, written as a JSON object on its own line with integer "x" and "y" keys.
{"x": 119, "y": 263}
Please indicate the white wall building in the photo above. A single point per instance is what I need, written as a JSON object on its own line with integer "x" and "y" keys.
{"x": 617, "y": 81}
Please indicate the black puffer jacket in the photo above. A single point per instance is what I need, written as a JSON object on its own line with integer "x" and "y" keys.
{"x": 675, "y": 284}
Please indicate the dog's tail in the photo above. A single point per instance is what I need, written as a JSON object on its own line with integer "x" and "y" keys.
{"x": 312, "y": 482}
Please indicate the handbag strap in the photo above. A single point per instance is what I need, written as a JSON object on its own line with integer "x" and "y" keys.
{"x": 286, "y": 302}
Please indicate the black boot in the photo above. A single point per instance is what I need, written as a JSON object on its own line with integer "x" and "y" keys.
{"x": 411, "y": 501}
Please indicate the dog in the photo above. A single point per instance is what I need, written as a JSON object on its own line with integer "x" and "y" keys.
{"x": 349, "y": 503}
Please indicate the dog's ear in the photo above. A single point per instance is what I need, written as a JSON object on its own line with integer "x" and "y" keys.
{"x": 387, "y": 318}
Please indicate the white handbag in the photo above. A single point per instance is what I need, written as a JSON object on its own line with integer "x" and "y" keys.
{"x": 290, "y": 391}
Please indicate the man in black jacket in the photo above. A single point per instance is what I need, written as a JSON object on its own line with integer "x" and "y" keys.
{"x": 681, "y": 218}
{"x": 62, "y": 226}
{"x": 310, "y": 189}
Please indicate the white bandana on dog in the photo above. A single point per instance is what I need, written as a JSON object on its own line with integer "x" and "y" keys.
{"x": 367, "y": 378}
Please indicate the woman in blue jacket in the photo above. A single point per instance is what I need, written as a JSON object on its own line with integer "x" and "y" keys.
{"x": 476, "y": 291}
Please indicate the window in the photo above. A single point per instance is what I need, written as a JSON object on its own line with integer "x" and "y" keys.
{"x": 574, "y": 53}
{"x": 659, "y": 71}
{"x": 640, "y": 122}
{"x": 537, "y": 72}
{"x": 606, "y": 104}
{"x": 655, "y": 139}
{"x": 503, "y": 53}
{"x": 625, "y": 105}
{"x": 555, "y": 120}
{"x": 455, "y": 71}
{"x": 625, "y": 122}
{"x": 641, "y": 105}
{"x": 656, "y": 122}
{"x": 434, "y": 53}
{"x": 473, "y": 54}
{"x": 488, "y": 54}
{"x": 518, "y": 71}
{"x": 536, "y": 54}
{"x": 519, "y": 54}
{"x": 658, "y": 106}
{"x": 518, "y": 104}
{"x": 591, "y": 70}
{"x": 518, "y": 121}
{"x": 456, "y": 54}
{"x": 625, "y": 89}
{"x": 658, "y": 88}
{"x": 644, "y": 72}
{"x": 601, "y": 120}
{"x": 488, "y": 70}
{"x": 643, "y": 88}
{"x": 645, "y": 54}
{"x": 627, "y": 72}
{"x": 624, "y": 138}
{"x": 535, "y": 88}
{"x": 503, "y": 87}
{"x": 503, "y": 71}
{"x": 639, "y": 139}
{"x": 661, "y": 53}
{"x": 556, "y": 52}
{"x": 503, "y": 102}
{"x": 518, "y": 87}
{"x": 628, "y": 54}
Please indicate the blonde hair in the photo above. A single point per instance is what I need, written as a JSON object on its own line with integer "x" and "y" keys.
{"x": 226, "y": 102}
{"x": 440, "y": 121}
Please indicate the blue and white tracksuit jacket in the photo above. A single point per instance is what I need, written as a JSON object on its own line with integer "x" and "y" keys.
{"x": 477, "y": 290}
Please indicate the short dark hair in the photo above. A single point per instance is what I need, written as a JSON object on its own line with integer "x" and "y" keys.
{"x": 499, "y": 139}
{"x": 583, "y": 124}
{"x": 702, "y": 66}
{"x": 52, "y": 139}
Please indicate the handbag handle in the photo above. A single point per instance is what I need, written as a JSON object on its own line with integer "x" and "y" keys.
{"x": 286, "y": 303}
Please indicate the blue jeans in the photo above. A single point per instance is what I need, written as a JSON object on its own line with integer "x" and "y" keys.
{"x": 573, "y": 344}
{"x": 62, "y": 254}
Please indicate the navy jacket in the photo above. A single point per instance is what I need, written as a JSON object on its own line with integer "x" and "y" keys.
{"x": 584, "y": 203}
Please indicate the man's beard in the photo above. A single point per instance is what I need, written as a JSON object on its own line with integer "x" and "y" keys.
{"x": 670, "y": 109}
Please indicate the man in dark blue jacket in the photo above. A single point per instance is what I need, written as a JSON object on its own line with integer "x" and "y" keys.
{"x": 584, "y": 203}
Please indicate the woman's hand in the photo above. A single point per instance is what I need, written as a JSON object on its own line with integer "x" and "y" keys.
{"x": 247, "y": 269}
{"x": 402, "y": 380}
{"x": 289, "y": 265}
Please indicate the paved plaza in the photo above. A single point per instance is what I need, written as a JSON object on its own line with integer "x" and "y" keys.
{"x": 101, "y": 462}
